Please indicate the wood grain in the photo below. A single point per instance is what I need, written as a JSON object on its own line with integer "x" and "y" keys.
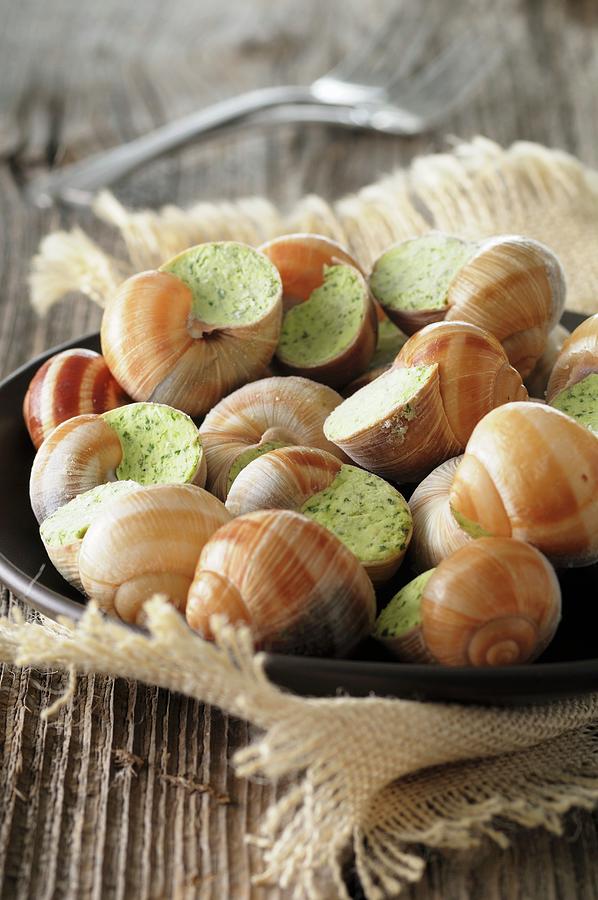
{"x": 129, "y": 792}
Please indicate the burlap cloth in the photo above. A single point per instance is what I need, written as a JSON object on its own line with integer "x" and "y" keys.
{"x": 379, "y": 777}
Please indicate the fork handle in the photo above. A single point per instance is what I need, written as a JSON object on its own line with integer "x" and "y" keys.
{"x": 106, "y": 167}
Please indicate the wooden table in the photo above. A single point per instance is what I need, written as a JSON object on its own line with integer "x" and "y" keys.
{"x": 129, "y": 792}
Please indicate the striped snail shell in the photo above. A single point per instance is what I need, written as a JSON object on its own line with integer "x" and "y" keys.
{"x": 69, "y": 384}
{"x": 494, "y": 602}
{"x": 293, "y": 582}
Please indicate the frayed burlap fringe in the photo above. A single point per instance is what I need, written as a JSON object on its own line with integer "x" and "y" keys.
{"x": 477, "y": 190}
{"x": 380, "y": 777}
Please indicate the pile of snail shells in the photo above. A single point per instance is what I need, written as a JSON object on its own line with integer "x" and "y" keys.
{"x": 255, "y": 345}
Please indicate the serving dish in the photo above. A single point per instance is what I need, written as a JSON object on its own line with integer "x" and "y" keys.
{"x": 567, "y": 668}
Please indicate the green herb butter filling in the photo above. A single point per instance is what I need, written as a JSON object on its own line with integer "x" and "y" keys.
{"x": 581, "y": 402}
{"x": 161, "y": 445}
{"x": 71, "y": 522}
{"x": 387, "y": 395}
{"x": 248, "y": 456}
{"x": 326, "y": 324}
{"x": 368, "y": 515}
{"x": 231, "y": 284}
{"x": 403, "y": 612}
{"x": 417, "y": 273}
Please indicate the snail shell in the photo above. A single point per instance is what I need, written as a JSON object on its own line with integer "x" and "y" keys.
{"x": 436, "y": 533}
{"x": 494, "y": 602}
{"x": 63, "y": 531}
{"x": 293, "y": 582}
{"x": 510, "y": 285}
{"x": 366, "y": 513}
{"x": 87, "y": 451}
{"x": 537, "y": 381}
{"x": 577, "y": 359}
{"x": 69, "y": 384}
{"x": 300, "y": 259}
{"x": 330, "y": 323}
{"x": 422, "y": 410}
{"x": 145, "y": 543}
{"x": 168, "y": 340}
{"x": 531, "y": 472}
{"x": 262, "y": 416}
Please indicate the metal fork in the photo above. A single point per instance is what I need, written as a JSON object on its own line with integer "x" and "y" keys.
{"x": 369, "y": 90}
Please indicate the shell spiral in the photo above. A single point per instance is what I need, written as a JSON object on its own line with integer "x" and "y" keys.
{"x": 495, "y": 602}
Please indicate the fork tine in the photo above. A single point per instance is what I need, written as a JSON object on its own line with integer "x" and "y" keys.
{"x": 400, "y": 38}
{"x": 451, "y": 79}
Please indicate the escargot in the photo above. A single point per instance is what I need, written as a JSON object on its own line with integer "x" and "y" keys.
{"x": 329, "y": 327}
{"x": 69, "y": 384}
{"x": 366, "y": 513}
{"x": 186, "y": 335}
{"x": 573, "y": 383}
{"x": 263, "y": 416}
{"x": 436, "y": 533}
{"x": 531, "y": 472}
{"x": 63, "y": 531}
{"x": 423, "y": 409}
{"x": 494, "y": 602}
{"x": 296, "y": 586}
{"x": 147, "y": 542}
{"x": 149, "y": 443}
{"x": 510, "y": 285}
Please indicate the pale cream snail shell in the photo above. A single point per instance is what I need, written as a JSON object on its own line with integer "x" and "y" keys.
{"x": 436, "y": 533}
{"x": 510, "y": 285}
{"x": 531, "y": 472}
{"x": 62, "y": 532}
{"x": 69, "y": 384}
{"x": 188, "y": 334}
{"x": 89, "y": 450}
{"x": 147, "y": 542}
{"x": 293, "y": 582}
{"x": 263, "y": 416}
{"x": 494, "y": 602}
{"x": 422, "y": 410}
{"x": 366, "y": 513}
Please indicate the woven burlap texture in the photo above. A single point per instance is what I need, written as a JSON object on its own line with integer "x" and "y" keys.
{"x": 381, "y": 777}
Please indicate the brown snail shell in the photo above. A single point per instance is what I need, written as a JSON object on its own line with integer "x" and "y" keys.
{"x": 71, "y": 383}
{"x": 159, "y": 350}
{"x": 305, "y": 264}
{"x": 292, "y": 477}
{"x": 577, "y": 359}
{"x": 494, "y": 602}
{"x": 459, "y": 373}
{"x": 300, "y": 258}
{"x": 293, "y": 582}
{"x": 531, "y": 472}
{"x": 436, "y": 533}
{"x": 276, "y": 411}
{"x": 145, "y": 543}
{"x": 510, "y": 285}
{"x": 81, "y": 454}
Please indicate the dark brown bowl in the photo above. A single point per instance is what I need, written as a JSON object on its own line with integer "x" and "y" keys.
{"x": 569, "y": 666}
